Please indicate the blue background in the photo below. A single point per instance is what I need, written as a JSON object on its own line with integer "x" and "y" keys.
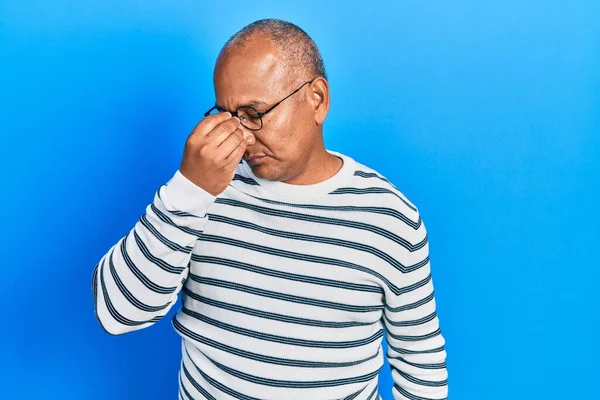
{"x": 485, "y": 114}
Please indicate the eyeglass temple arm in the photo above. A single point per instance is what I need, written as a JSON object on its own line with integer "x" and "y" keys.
{"x": 281, "y": 101}
{"x": 261, "y": 114}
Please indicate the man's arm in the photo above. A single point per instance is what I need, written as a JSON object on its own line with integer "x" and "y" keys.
{"x": 416, "y": 351}
{"x": 137, "y": 281}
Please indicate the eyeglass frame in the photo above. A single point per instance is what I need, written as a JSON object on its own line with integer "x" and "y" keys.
{"x": 258, "y": 113}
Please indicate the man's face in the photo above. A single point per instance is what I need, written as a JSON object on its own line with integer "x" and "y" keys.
{"x": 253, "y": 76}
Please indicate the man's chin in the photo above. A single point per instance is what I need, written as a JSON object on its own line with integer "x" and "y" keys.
{"x": 264, "y": 172}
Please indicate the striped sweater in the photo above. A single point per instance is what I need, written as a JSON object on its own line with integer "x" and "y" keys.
{"x": 287, "y": 290}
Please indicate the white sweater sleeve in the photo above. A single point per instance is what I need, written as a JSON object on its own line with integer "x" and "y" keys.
{"x": 137, "y": 281}
{"x": 416, "y": 346}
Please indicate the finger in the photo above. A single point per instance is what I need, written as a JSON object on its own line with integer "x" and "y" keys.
{"x": 236, "y": 155}
{"x": 222, "y": 132}
{"x": 249, "y": 138}
{"x": 209, "y": 123}
{"x": 230, "y": 143}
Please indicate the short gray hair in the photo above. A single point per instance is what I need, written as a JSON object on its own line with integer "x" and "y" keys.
{"x": 297, "y": 49}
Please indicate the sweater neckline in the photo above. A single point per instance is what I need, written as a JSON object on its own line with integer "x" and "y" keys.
{"x": 319, "y": 189}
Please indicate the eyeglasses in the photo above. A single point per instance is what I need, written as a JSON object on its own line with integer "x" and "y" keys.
{"x": 249, "y": 116}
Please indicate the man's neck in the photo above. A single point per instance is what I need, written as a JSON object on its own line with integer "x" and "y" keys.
{"x": 319, "y": 168}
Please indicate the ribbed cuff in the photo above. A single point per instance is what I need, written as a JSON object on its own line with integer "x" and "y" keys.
{"x": 181, "y": 194}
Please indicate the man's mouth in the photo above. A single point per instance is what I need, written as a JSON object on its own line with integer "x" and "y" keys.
{"x": 254, "y": 160}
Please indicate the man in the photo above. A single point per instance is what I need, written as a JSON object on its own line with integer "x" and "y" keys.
{"x": 290, "y": 258}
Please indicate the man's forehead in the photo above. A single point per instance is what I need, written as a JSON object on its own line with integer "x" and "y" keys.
{"x": 247, "y": 87}
{"x": 241, "y": 92}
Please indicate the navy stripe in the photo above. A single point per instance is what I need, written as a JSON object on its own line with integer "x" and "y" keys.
{"x": 321, "y": 239}
{"x": 159, "y": 262}
{"x": 163, "y": 217}
{"x": 415, "y": 338}
{"x": 411, "y": 396}
{"x": 177, "y": 213}
{"x": 272, "y": 316}
{"x": 248, "y": 181}
{"x": 168, "y": 243}
{"x": 411, "y": 306}
{"x": 182, "y": 387}
{"x": 284, "y": 296}
{"x": 196, "y": 384}
{"x": 127, "y": 294}
{"x": 293, "y": 384}
{"x": 184, "y": 214}
{"x": 373, "y": 393}
{"x": 368, "y": 175}
{"x": 219, "y": 386}
{"x": 143, "y": 278}
{"x": 260, "y": 357}
{"x": 326, "y": 221}
{"x": 416, "y": 365}
{"x": 113, "y": 311}
{"x": 315, "y": 259}
{"x": 372, "y": 190}
{"x": 413, "y": 322}
{"x": 364, "y": 174}
{"x": 282, "y": 339}
{"x": 355, "y": 395}
{"x": 406, "y": 351}
{"x": 422, "y": 382}
{"x": 373, "y": 210}
{"x": 286, "y": 275}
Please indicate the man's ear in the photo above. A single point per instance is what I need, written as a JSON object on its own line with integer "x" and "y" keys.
{"x": 319, "y": 97}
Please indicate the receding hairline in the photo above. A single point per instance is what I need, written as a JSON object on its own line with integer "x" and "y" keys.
{"x": 295, "y": 49}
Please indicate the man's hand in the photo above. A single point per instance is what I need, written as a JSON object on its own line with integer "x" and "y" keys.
{"x": 212, "y": 152}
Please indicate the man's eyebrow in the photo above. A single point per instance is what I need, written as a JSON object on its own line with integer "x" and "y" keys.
{"x": 256, "y": 103}
{"x": 252, "y": 103}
